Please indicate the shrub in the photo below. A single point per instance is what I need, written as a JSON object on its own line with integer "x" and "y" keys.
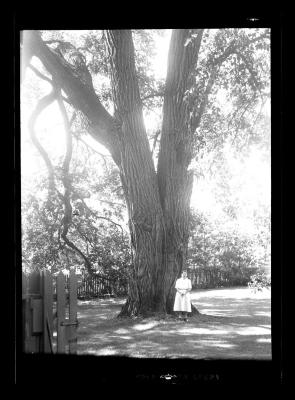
{"x": 259, "y": 281}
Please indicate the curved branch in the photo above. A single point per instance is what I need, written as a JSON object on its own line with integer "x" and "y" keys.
{"x": 113, "y": 222}
{"x": 101, "y": 125}
{"x": 67, "y": 219}
{"x": 105, "y": 218}
{"x": 72, "y": 246}
{"x": 45, "y": 78}
{"x": 41, "y": 105}
{"x": 38, "y": 73}
{"x": 79, "y": 139}
{"x": 69, "y": 141}
{"x": 84, "y": 236}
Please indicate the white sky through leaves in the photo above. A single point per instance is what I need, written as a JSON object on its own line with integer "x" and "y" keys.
{"x": 253, "y": 174}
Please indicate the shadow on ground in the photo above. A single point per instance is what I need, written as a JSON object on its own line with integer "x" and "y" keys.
{"x": 234, "y": 323}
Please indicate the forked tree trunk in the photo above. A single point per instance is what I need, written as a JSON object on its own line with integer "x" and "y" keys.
{"x": 158, "y": 202}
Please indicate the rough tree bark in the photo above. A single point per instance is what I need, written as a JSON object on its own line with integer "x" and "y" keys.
{"x": 158, "y": 203}
{"x": 157, "y": 200}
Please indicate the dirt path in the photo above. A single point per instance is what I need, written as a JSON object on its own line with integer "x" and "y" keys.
{"x": 234, "y": 323}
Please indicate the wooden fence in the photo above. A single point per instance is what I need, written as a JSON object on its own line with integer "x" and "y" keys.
{"x": 49, "y": 312}
{"x": 101, "y": 286}
{"x": 206, "y": 278}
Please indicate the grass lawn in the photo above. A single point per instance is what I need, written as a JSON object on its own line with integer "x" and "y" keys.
{"x": 234, "y": 324}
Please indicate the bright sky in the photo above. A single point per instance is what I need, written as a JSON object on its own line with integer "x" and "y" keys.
{"x": 252, "y": 181}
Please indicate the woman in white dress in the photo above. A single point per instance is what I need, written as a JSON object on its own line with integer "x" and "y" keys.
{"x": 182, "y": 303}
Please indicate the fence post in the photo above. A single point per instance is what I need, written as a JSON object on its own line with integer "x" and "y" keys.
{"x": 33, "y": 314}
{"x": 72, "y": 312}
{"x": 60, "y": 308}
{"x": 47, "y": 292}
{"x": 24, "y": 311}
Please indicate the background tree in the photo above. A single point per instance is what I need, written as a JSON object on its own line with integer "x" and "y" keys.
{"x": 157, "y": 189}
{"x": 97, "y": 225}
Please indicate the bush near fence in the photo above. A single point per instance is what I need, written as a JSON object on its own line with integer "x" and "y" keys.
{"x": 259, "y": 281}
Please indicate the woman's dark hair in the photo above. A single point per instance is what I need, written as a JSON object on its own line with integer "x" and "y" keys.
{"x": 180, "y": 273}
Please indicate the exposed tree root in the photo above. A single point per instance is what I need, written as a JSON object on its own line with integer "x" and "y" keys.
{"x": 131, "y": 309}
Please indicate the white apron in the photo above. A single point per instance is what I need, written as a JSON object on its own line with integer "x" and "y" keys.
{"x": 183, "y": 303}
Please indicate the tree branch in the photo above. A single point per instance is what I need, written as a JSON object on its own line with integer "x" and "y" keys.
{"x": 45, "y": 78}
{"x": 79, "y": 139}
{"x": 111, "y": 202}
{"x": 41, "y": 105}
{"x": 248, "y": 66}
{"x": 75, "y": 248}
{"x": 69, "y": 142}
{"x": 239, "y": 121}
{"x": 150, "y": 96}
{"x": 38, "y": 73}
{"x": 84, "y": 237}
{"x": 67, "y": 219}
{"x": 262, "y": 36}
{"x": 233, "y": 47}
{"x": 197, "y": 119}
{"x": 101, "y": 125}
{"x": 155, "y": 140}
{"x": 105, "y": 218}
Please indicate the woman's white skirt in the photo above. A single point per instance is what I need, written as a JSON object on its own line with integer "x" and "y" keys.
{"x": 182, "y": 303}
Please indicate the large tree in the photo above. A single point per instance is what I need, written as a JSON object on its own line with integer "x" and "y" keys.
{"x": 157, "y": 196}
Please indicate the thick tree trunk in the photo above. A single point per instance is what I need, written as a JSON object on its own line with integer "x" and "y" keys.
{"x": 158, "y": 203}
{"x": 139, "y": 181}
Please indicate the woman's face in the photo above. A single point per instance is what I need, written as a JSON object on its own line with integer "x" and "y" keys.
{"x": 184, "y": 274}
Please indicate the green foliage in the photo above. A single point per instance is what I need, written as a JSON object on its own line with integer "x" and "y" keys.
{"x": 259, "y": 281}
{"x": 242, "y": 70}
{"x": 97, "y": 227}
{"x": 144, "y": 43}
{"x": 41, "y": 220}
{"x": 214, "y": 248}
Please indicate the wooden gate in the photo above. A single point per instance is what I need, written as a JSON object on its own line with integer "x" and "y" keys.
{"x": 49, "y": 313}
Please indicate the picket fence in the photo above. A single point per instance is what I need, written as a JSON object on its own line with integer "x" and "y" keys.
{"x": 101, "y": 286}
{"x": 206, "y": 278}
{"x": 49, "y": 310}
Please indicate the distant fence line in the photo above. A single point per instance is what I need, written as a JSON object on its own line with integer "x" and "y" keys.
{"x": 206, "y": 278}
{"x": 101, "y": 286}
